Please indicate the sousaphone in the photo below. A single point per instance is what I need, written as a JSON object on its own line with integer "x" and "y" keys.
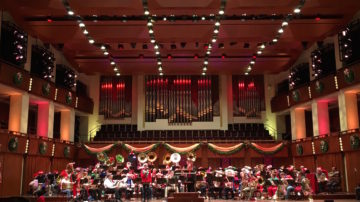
{"x": 166, "y": 160}
{"x": 151, "y": 157}
{"x": 142, "y": 158}
{"x": 191, "y": 156}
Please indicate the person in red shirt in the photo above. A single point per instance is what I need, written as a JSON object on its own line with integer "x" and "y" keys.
{"x": 146, "y": 181}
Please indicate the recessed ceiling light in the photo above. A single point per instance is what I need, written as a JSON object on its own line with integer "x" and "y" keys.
{"x": 85, "y": 32}
{"x": 81, "y": 24}
{"x": 281, "y": 30}
{"x": 217, "y": 23}
{"x": 118, "y": 74}
{"x": 152, "y": 40}
{"x": 284, "y": 24}
{"x": 246, "y": 73}
{"x": 275, "y": 40}
{"x": 297, "y": 10}
{"x": 259, "y": 52}
{"x": 221, "y": 12}
{"x": 102, "y": 47}
{"x": 70, "y": 12}
{"x": 112, "y": 63}
{"x": 91, "y": 41}
{"x": 146, "y": 12}
{"x": 216, "y": 31}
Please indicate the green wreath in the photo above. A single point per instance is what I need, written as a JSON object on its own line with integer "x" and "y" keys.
{"x": 101, "y": 156}
{"x": 355, "y": 141}
{"x": 67, "y": 151}
{"x": 13, "y": 144}
{"x": 18, "y": 78}
{"x": 349, "y": 75}
{"x": 319, "y": 86}
{"x": 69, "y": 98}
{"x": 296, "y": 95}
{"x": 299, "y": 149}
{"x": 324, "y": 146}
{"x": 119, "y": 158}
{"x": 46, "y": 89}
{"x": 43, "y": 148}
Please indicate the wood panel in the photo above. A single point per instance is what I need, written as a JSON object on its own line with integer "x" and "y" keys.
{"x": 32, "y": 165}
{"x": 353, "y": 169}
{"x": 39, "y": 87}
{"x": 341, "y": 78}
{"x": 11, "y": 169}
{"x": 279, "y": 103}
{"x": 85, "y": 104}
{"x": 307, "y": 161}
{"x": 328, "y": 86}
{"x": 327, "y": 161}
{"x": 8, "y": 74}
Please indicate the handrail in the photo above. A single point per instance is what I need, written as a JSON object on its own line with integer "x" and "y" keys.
{"x": 271, "y": 129}
{"x": 95, "y": 129}
{"x": 182, "y": 141}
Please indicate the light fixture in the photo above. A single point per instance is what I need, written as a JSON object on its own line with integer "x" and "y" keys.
{"x": 152, "y": 40}
{"x": 262, "y": 46}
{"x": 151, "y": 31}
{"x": 203, "y": 18}
{"x": 112, "y": 63}
{"x": 213, "y": 40}
{"x": 246, "y": 73}
{"x": 217, "y": 23}
{"x": 159, "y": 62}
{"x": 221, "y": 12}
{"x": 160, "y": 68}
{"x": 70, "y": 12}
{"x": 204, "y": 68}
{"x": 284, "y": 24}
{"x": 161, "y": 73}
{"x": 102, "y": 47}
{"x": 252, "y": 62}
{"x": 85, "y": 32}
{"x": 275, "y": 40}
{"x": 216, "y": 31}
{"x": 146, "y": 12}
{"x": 81, "y": 24}
{"x": 297, "y": 10}
{"x": 281, "y": 30}
{"x": 117, "y": 73}
{"x": 208, "y": 52}
{"x": 206, "y": 62}
{"x": 249, "y": 68}
{"x": 149, "y": 24}
{"x": 204, "y": 73}
{"x": 157, "y": 52}
{"x": 164, "y": 19}
{"x": 115, "y": 69}
{"x": 259, "y": 52}
{"x": 106, "y": 53}
{"x": 91, "y": 41}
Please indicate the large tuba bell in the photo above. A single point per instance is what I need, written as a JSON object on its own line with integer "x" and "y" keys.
{"x": 175, "y": 158}
{"x": 151, "y": 157}
{"x": 142, "y": 158}
{"x": 191, "y": 156}
{"x": 166, "y": 160}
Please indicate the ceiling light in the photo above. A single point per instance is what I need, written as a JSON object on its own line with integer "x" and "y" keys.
{"x": 117, "y": 73}
{"x": 159, "y": 62}
{"x": 157, "y": 52}
{"x": 204, "y": 68}
{"x": 221, "y": 12}
{"x": 102, "y": 47}
{"x": 216, "y": 31}
{"x": 115, "y": 69}
{"x": 91, "y": 41}
{"x": 149, "y": 24}
{"x": 85, "y": 32}
{"x": 203, "y": 18}
{"x": 275, "y": 40}
{"x": 249, "y": 68}
{"x": 112, "y": 63}
{"x": 161, "y": 73}
{"x": 106, "y": 53}
{"x": 213, "y": 40}
{"x": 281, "y": 30}
{"x": 160, "y": 68}
{"x": 259, "y": 52}
{"x": 297, "y": 10}
{"x": 164, "y": 19}
{"x": 203, "y": 73}
{"x": 284, "y": 24}
{"x": 252, "y": 62}
{"x": 206, "y": 62}
{"x": 146, "y": 12}
{"x": 81, "y": 24}
{"x": 152, "y": 40}
{"x": 156, "y": 47}
{"x": 208, "y": 52}
{"x": 70, "y": 12}
{"x": 217, "y": 23}
{"x": 246, "y": 73}
{"x": 151, "y": 31}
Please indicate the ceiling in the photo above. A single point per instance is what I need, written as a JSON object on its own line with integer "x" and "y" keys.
{"x": 32, "y": 15}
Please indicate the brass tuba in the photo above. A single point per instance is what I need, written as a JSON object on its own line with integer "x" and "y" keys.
{"x": 151, "y": 157}
{"x": 166, "y": 160}
{"x": 191, "y": 156}
{"x": 142, "y": 158}
{"x": 175, "y": 158}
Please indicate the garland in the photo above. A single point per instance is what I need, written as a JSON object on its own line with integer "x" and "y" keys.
{"x": 137, "y": 150}
{"x": 267, "y": 151}
{"x": 225, "y": 150}
{"x": 95, "y": 151}
{"x": 182, "y": 150}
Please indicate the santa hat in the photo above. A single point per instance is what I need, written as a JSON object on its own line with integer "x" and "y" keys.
{"x": 63, "y": 174}
{"x": 40, "y": 172}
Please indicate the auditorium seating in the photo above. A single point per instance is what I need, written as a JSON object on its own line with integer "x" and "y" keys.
{"x": 128, "y": 132}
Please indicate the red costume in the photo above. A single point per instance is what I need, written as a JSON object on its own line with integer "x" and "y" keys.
{"x": 145, "y": 176}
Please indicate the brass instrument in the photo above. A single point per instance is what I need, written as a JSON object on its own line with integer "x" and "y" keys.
{"x": 166, "y": 160}
{"x": 142, "y": 158}
{"x": 151, "y": 157}
{"x": 191, "y": 156}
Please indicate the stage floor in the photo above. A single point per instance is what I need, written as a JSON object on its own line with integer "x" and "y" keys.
{"x": 222, "y": 200}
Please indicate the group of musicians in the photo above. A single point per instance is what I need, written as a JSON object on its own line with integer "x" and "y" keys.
{"x": 123, "y": 180}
